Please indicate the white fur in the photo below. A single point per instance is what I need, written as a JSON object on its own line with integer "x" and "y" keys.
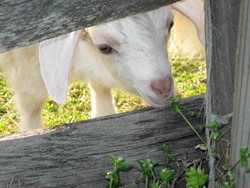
{"x": 139, "y": 59}
{"x": 55, "y": 62}
{"x": 183, "y": 34}
{"x": 188, "y": 29}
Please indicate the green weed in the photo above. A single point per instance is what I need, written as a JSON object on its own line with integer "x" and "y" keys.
{"x": 229, "y": 169}
{"x": 174, "y": 103}
{"x": 196, "y": 178}
{"x": 155, "y": 174}
{"x": 150, "y": 176}
{"x": 114, "y": 176}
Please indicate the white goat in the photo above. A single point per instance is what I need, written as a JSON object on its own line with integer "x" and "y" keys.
{"x": 128, "y": 53}
{"x": 183, "y": 40}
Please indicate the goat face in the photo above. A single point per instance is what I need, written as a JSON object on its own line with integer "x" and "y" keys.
{"x": 136, "y": 48}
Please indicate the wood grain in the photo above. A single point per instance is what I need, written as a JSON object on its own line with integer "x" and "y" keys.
{"x": 221, "y": 39}
{"x": 241, "y": 116}
{"x": 76, "y": 155}
{"x": 221, "y": 53}
{"x": 26, "y": 22}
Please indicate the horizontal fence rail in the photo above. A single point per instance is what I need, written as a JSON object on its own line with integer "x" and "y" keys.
{"x": 26, "y": 22}
{"x": 77, "y": 155}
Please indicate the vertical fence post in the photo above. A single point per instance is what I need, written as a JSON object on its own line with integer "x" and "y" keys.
{"x": 221, "y": 37}
{"x": 240, "y": 134}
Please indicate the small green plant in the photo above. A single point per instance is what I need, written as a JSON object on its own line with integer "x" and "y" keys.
{"x": 150, "y": 176}
{"x": 174, "y": 102}
{"x": 167, "y": 151}
{"x": 244, "y": 156}
{"x": 196, "y": 178}
{"x": 114, "y": 176}
{"x": 229, "y": 169}
{"x": 162, "y": 177}
{"x": 229, "y": 177}
{"x": 228, "y": 185}
{"x": 156, "y": 185}
{"x": 147, "y": 167}
{"x": 167, "y": 176}
{"x": 215, "y": 133}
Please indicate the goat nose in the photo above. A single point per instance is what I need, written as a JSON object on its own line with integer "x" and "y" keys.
{"x": 162, "y": 87}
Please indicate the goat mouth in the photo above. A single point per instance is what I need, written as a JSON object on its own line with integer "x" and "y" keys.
{"x": 158, "y": 102}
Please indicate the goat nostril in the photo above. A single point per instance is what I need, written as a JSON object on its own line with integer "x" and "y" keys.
{"x": 158, "y": 92}
{"x": 162, "y": 87}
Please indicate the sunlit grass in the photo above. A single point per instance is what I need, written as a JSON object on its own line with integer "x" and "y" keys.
{"x": 8, "y": 115}
{"x": 189, "y": 76}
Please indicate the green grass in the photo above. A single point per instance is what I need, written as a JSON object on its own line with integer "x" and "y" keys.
{"x": 188, "y": 75}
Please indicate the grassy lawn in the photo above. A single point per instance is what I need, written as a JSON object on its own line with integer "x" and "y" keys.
{"x": 189, "y": 76}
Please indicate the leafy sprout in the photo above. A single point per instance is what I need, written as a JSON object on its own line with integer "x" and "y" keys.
{"x": 196, "y": 178}
{"x": 114, "y": 176}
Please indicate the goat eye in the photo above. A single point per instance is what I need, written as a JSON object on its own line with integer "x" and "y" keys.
{"x": 105, "y": 49}
{"x": 171, "y": 24}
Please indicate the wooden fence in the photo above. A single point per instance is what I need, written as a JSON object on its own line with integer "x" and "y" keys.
{"x": 26, "y": 22}
{"x": 77, "y": 155}
{"x": 228, "y": 90}
{"x": 240, "y": 134}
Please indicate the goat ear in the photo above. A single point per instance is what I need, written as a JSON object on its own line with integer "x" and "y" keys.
{"x": 194, "y": 11}
{"x": 55, "y": 57}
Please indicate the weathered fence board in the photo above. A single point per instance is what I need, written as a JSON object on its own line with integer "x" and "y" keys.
{"x": 221, "y": 52}
{"x": 221, "y": 38}
{"x": 26, "y": 22}
{"x": 77, "y": 154}
{"x": 241, "y": 116}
